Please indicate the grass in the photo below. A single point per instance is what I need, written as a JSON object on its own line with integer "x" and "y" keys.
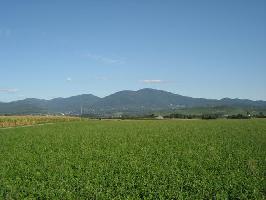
{"x": 12, "y": 121}
{"x": 221, "y": 159}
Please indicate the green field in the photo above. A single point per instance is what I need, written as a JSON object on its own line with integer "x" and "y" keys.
{"x": 174, "y": 159}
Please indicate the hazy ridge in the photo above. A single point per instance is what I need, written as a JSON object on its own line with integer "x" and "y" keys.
{"x": 141, "y": 101}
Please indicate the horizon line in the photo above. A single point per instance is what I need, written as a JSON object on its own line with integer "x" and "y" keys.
{"x": 49, "y": 99}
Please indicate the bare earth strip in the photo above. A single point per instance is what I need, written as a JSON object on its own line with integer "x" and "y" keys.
{"x": 25, "y": 126}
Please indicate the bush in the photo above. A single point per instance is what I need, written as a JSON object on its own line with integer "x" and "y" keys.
{"x": 238, "y": 116}
{"x": 209, "y": 116}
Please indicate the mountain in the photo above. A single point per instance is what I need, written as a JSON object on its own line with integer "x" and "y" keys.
{"x": 126, "y": 101}
{"x": 147, "y": 98}
{"x": 26, "y": 106}
{"x": 57, "y": 105}
{"x": 72, "y": 104}
{"x": 241, "y": 102}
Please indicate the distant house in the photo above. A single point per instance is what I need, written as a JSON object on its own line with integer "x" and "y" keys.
{"x": 159, "y": 117}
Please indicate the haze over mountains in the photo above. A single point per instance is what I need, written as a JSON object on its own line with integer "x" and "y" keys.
{"x": 126, "y": 101}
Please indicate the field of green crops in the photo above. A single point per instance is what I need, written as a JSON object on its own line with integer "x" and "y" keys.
{"x": 174, "y": 159}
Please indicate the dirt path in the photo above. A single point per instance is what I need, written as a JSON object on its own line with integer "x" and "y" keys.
{"x": 25, "y": 126}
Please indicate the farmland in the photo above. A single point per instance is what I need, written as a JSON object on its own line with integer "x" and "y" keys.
{"x": 168, "y": 159}
{"x": 12, "y": 121}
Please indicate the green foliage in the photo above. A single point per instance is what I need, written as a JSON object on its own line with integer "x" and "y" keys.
{"x": 238, "y": 116}
{"x": 171, "y": 159}
{"x": 182, "y": 116}
{"x": 260, "y": 115}
{"x": 210, "y": 116}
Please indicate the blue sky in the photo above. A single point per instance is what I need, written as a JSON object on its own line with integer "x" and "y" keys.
{"x": 211, "y": 49}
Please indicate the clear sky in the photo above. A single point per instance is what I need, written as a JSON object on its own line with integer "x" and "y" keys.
{"x": 60, "y": 48}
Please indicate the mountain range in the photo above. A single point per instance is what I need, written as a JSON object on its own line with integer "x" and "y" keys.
{"x": 131, "y": 102}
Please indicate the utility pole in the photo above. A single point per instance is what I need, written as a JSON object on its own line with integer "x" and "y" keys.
{"x": 81, "y": 110}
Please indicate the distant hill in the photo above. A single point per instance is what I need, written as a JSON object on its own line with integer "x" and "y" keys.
{"x": 26, "y": 106}
{"x": 71, "y": 105}
{"x": 137, "y": 102}
{"x": 147, "y": 99}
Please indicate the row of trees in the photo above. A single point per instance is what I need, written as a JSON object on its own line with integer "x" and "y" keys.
{"x": 180, "y": 116}
{"x": 191, "y": 116}
{"x": 214, "y": 116}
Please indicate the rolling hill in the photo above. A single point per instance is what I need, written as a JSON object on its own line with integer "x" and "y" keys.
{"x": 127, "y": 101}
{"x": 69, "y": 105}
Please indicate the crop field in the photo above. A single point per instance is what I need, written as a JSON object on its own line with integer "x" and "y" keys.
{"x": 11, "y": 121}
{"x": 168, "y": 159}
